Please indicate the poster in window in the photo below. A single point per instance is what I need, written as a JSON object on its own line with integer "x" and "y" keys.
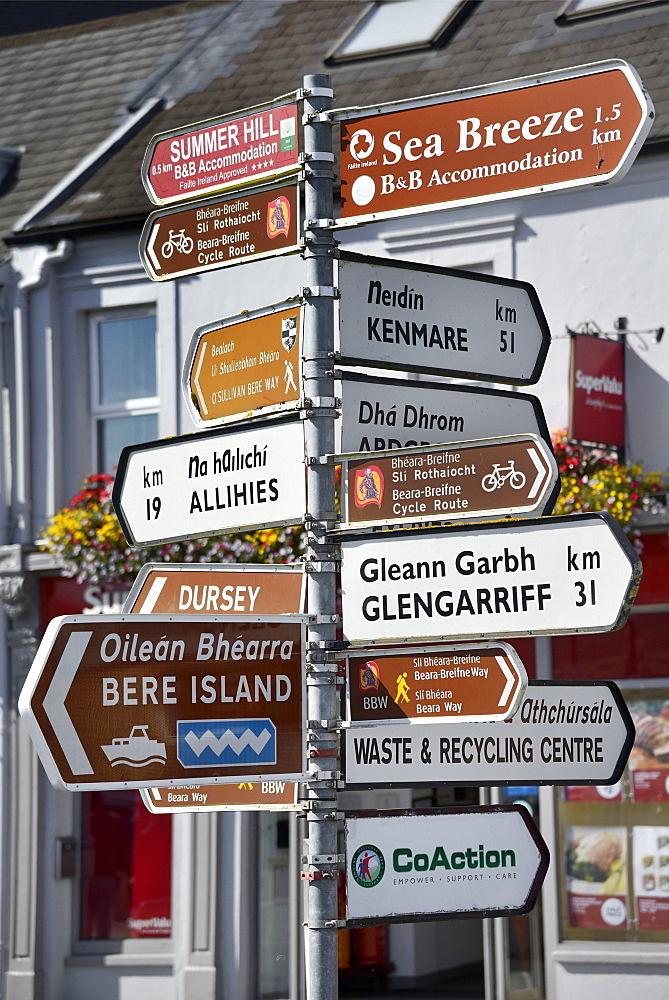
{"x": 649, "y": 759}
{"x": 650, "y": 854}
{"x": 594, "y": 793}
{"x": 597, "y": 877}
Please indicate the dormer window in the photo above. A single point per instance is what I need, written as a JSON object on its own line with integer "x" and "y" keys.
{"x": 394, "y": 26}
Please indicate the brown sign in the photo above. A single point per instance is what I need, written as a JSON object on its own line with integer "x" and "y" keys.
{"x": 275, "y": 795}
{"x": 220, "y": 232}
{"x": 548, "y": 132}
{"x": 129, "y": 701}
{"x": 221, "y": 153}
{"x": 493, "y": 477}
{"x": 216, "y": 589}
{"x": 443, "y": 683}
{"x": 246, "y": 364}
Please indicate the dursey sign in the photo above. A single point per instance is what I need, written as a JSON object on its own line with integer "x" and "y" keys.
{"x": 230, "y": 151}
{"x": 245, "y": 364}
{"x": 492, "y": 478}
{"x": 572, "y": 733}
{"x": 480, "y": 683}
{"x": 277, "y": 796}
{"x": 217, "y": 589}
{"x": 549, "y": 132}
{"x": 597, "y": 411}
{"x": 550, "y": 576}
{"x": 379, "y": 413}
{"x": 132, "y": 701}
{"x": 430, "y": 864}
{"x": 211, "y": 482}
{"x": 424, "y": 318}
{"x": 220, "y": 232}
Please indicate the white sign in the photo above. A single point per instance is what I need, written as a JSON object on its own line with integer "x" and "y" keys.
{"x": 379, "y": 413}
{"x": 417, "y": 317}
{"x": 488, "y": 861}
{"x": 213, "y": 482}
{"x": 563, "y": 734}
{"x": 549, "y": 576}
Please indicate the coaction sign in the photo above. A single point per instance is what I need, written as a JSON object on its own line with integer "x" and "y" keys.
{"x": 217, "y": 589}
{"x": 495, "y": 477}
{"x": 245, "y": 364}
{"x": 577, "y": 573}
{"x": 444, "y": 683}
{"x": 438, "y": 863}
{"x": 380, "y": 413}
{"x": 548, "y": 132}
{"x": 220, "y": 232}
{"x": 220, "y": 153}
{"x": 132, "y": 701}
{"x": 574, "y": 733}
{"x": 211, "y": 482}
{"x": 423, "y": 318}
{"x": 277, "y": 796}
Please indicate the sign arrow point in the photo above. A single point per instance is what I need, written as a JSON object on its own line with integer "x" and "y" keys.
{"x": 541, "y": 473}
{"x": 510, "y": 680}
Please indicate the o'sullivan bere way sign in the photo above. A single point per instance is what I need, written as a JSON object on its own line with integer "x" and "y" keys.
{"x": 548, "y": 132}
{"x": 132, "y": 701}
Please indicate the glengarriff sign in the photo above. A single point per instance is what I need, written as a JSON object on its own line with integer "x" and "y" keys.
{"x": 225, "y": 152}
{"x": 548, "y": 132}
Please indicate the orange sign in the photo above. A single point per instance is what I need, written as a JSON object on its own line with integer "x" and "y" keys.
{"x": 543, "y": 133}
{"x": 443, "y": 683}
{"x": 244, "y": 364}
{"x": 216, "y": 589}
{"x": 132, "y": 701}
{"x": 275, "y": 795}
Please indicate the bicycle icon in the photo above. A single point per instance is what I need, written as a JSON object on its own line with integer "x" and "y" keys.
{"x": 501, "y": 474}
{"x": 177, "y": 241}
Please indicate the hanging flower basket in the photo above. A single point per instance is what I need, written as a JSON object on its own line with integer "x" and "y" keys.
{"x": 87, "y": 542}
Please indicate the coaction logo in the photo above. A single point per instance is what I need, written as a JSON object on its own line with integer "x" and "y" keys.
{"x": 368, "y": 866}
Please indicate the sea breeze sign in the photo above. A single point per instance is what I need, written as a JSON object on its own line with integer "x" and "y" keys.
{"x": 131, "y": 701}
{"x": 548, "y": 132}
{"x": 419, "y": 317}
{"x": 487, "y": 861}
{"x": 574, "y": 733}
{"x": 597, "y": 412}
{"x": 220, "y": 232}
{"x": 577, "y": 573}
{"x": 477, "y": 479}
{"x": 378, "y": 413}
{"x": 448, "y": 683}
{"x": 216, "y": 589}
{"x": 224, "y": 152}
{"x": 245, "y": 364}
{"x": 211, "y": 482}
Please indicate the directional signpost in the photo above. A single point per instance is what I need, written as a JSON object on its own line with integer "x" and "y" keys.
{"x": 217, "y": 589}
{"x": 548, "y": 132}
{"x": 577, "y": 573}
{"x": 420, "y": 318}
{"x": 278, "y": 796}
{"x": 481, "y": 683}
{"x": 244, "y": 365}
{"x": 220, "y": 232}
{"x": 149, "y": 700}
{"x": 221, "y": 153}
{"x": 431, "y": 864}
{"x": 479, "y": 479}
{"x": 380, "y": 413}
{"x": 573, "y": 733}
{"x": 212, "y": 482}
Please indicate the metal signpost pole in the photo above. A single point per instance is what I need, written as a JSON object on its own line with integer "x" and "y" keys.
{"x": 321, "y": 870}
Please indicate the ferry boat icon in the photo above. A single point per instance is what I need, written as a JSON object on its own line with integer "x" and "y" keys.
{"x": 136, "y": 750}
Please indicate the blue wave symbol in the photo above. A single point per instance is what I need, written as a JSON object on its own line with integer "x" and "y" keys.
{"x": 226, "y": 742}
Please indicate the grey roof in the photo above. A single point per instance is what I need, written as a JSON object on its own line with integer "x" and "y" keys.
{"x": 96, "y": 93}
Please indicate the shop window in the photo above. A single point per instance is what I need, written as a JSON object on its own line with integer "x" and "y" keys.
{"x": 124, "y": 383}
{"x": 125, "y": 868}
